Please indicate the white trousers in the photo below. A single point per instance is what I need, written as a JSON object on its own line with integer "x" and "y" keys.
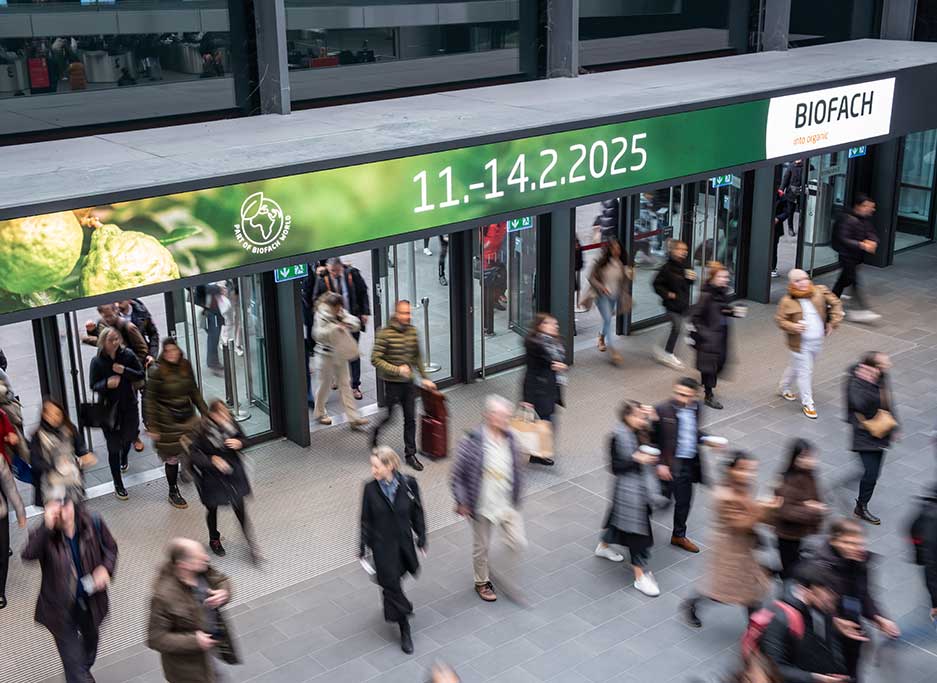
{"x": 334, "y": 370}
{"x": 800, "y": 369}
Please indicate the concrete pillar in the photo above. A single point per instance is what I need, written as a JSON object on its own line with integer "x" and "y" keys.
{"x": 49, "y": 358}
{"x": 761, "y": 240}
{"x": 884, "y": 190}
{"x": 777, "y": 27}
{"x": 272, "y": 70}
{"x": 291, "y": 359}
{"x": 561, "y": 259}
{"x": 563, "y": 39}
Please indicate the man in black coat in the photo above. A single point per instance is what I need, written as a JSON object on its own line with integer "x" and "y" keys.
{"x": 347, "y": 282}
{"x": 791, "y": 192}
{"x": 677, "y": 434}
{"x": 854, "y": 236}
{"x": 135, "y": 311}
{"x": 928, "y": 548}
{"x": 672, "y": 284}
{"x": 845, "y": 560}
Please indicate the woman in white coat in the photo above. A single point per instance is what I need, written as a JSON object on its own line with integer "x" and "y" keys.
{"x": 335, "y": 346}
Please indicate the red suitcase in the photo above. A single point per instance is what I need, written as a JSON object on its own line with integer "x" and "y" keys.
{"x": 434, "y": 425}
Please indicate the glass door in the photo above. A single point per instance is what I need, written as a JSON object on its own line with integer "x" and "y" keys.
{"x": 716, "y": 216}
{"x": 504, "y": 267}
{"x": 658, "y": 219}
{"x": 825, "y": 198}
{"x": 916, "y": 190}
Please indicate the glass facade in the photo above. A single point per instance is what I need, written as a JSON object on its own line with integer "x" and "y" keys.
{"x": 916, "y": 190}
{"x": 831, "y": 21}
{"x": 348, "y": 48}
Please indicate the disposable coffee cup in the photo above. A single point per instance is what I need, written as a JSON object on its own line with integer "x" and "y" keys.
{"x": 715, "y": 440}
{"x": 741, "y": 310}
{"x": 689, "y": 273}
{"x": 649, "y": 450}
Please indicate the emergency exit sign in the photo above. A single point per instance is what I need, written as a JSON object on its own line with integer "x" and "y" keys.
{"x": 721, "y": 181}
{"x": 524, "y": 223}
{"x": 290, "y": 272}
{"x": 859, "y": 151}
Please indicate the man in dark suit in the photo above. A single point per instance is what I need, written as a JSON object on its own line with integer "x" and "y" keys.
{"x": 346, "y": 281}
{"x": 678, "y": 434}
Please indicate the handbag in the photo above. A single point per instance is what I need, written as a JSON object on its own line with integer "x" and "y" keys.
{"x": 882, "y": 423}
{"x": 533, "y": 436}
{"x": 98, "y": 414}
{"x": 21, "y": 469}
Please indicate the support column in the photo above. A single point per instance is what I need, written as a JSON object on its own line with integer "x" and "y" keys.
{"x": 898, "y": 19}
{"x": 777, "y": 26}
{"x": 272, "y": 69}
{"x": 761, "y": 239}
{"x": 533, "y": 38}
{"x": 563, "y": 39}
{"x": 884, "y": 190}
{"x": 243, "y": 37}
{"x": 560, "y": 259}
{"x": 290, "y": 357}
{"x": 49, "y": 359}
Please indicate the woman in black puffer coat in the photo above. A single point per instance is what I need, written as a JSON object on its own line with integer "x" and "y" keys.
{"x": 711, "y": 316}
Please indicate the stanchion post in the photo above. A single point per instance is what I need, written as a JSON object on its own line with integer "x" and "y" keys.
{"x": 430, "y": 365}
{"x": 231, "y": 371}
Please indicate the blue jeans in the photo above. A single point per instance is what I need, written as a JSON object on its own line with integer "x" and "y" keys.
{"x": 607, "y": 309}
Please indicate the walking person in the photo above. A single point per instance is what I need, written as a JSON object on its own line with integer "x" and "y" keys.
{"x": 711, "y": 316}
{"x": 9, "y": 498}
{"x": 220, "y": 475}
{"x": 802, "y": 508}
{"x": 845, "y": 559}
{"x": 486, "y": 485}
{"x": 77, "y": 555}
{"x": 348, "y": 283}
{"x": 672, "y": 284}
{"x": 396, "y": 357}
{"x": 808, "y": 313}
{"x": 114, "y": 371}
{"x": 136, "y": 312}
{"x": 636, "y": 491}
{"x": 609, "y": 283}
{"x": 791, "y": 192}
{"x": 391, "y": 515}
{"x": 924, "y": 538}
{"x": 871, "y": 412}
{"x": 854, "y": 236}
{"x": 336, "y": 333}
{"x": 734, "y": 576}
{"x": 169, "y": 407}
{"x": 186, "y": 625}
{"x": 58, "y": 454}
{"x": 678, "y": 433}
{"x": 545, "y": 373}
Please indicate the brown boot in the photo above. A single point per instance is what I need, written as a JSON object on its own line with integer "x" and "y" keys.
{"x": 685, "y": 543}
{"x": 486, "y": 591}
{"x": 601, "y": 342}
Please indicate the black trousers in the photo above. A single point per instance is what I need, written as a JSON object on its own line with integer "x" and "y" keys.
{"x": 852, "y": 650}
{"x": 77, "y": 644}
{"x": 354, "y": 366}
{"x": 118, "y": 448}
{"x": 396, "y": 605}
{"x": 680, "y": 488}
{"x": 403, "y": 393}
{"x": 849, "y": 277}
{"x": 4, "y": 552}
{"x": 789, "y": 550}
{"x": 443, "y": 252}
{"x": 676, "y": 325}
{"x": 240, "y": 511}
{"x": 871, "y": 468}
{"x": 213, "y": 324}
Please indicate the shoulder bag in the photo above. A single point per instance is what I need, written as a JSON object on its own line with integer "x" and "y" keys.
{"x": 882, "y": 423}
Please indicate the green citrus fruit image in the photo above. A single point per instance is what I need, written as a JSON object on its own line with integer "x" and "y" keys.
{"x": 122, "y": 259}
{"x": 38, "y": 251}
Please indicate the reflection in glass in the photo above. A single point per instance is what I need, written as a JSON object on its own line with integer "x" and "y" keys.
{"x": 657, "y": 221}
{"x": 825, "y": 198}
{"x": 915, "y": 192}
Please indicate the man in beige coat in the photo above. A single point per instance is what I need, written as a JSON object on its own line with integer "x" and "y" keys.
{"x": 807, "y": 314}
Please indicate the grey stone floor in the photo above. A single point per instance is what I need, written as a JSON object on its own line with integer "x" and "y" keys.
{"x": 312, "y": 615}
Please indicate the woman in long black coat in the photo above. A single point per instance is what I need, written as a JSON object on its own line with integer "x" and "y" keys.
{"x": 546, "y": 372}
{"x": 711, "y": 316}
{"x": 114, "y": 370}
{"x": 391, "y": 515}
{"x": 220, "y": 475}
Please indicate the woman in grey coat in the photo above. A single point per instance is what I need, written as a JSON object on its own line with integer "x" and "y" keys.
{"x": 636, "y": 491}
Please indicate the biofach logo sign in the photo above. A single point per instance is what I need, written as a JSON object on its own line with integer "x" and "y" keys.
{"x": 827, "y": 118}
{"x": 263, "y": 225}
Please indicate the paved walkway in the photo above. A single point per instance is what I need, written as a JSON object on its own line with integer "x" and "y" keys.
{"x": 312, "y": 615}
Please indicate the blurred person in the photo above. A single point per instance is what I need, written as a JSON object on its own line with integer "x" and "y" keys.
{"x": 3, "y": 361}
{"x": 136, "y": 312}
{"x": 11, "y": 406}
{"x": 791, "y": 192}
{"x": 391, "y": 515}
{"x": 232, "y": 330}
{"x": 868, "y": 402}
{"x": 672, "y": 284}
{"x": 678, "y": 433}
{"x": 443, "y": 252}
{"x": 77, "y": 556}
{"x": 348, "y": 283}
{"x": 854, "y": 236}
{"x": 545, "y": 373}
{"x": 486, "y": 484}
{"x": 845, "y": 559}
{"x": 578, "y": 263}
{"x": 220, "y": 474}
{"x": 443, "y": 673}
{"x": 636, "y": 491}
{"x": 924, "y": 538}
{"x": 494, "y": 273}
{"x": 807, "y": 314}
{"x": 9, "y": 498}
{"x": 734, "y": 576}
{"x": 711, "y": 316}
{"x": 186, "y": 625}
{"x": 608, "y": 281}
{"x": 396, "y": 357}
{"x": 336, "y": 335}
{"x": 802, "y": 508}
{"x": 57, "y": 453}
{"x": 213, "y": 300}
{"x": 169, "y": 405}
{"x": 114, "y": 371}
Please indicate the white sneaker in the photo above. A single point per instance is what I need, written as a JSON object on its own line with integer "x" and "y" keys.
{"x": 862, "y": 316}
{"x": 647, "y": 585}
{"x": 774, "y": 273}
{"x": 660, "y": 355}
{"x": 608, "y": 553}
{"x": 674, "y": 362}
{"x": 427, "y": 251}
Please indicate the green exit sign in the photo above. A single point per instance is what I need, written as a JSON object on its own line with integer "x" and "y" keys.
{"x": 721, "y": 181}
{"x": 291, "y": 272}
{"x": 859, "y": 151}
{"x": 524, "y": 223}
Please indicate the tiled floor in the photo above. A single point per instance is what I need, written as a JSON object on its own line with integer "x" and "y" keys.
{"x": 311, "y": 614}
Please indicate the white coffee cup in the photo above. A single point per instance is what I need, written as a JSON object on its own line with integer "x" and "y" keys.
{"x": 740, "y": 310}
{"x": 715, "y": 441}
{"x": 649, "y": 450}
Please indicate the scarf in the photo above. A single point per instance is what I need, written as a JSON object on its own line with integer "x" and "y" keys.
{"x": 795, "y": 293}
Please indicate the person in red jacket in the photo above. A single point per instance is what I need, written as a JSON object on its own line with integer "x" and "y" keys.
{"x": 8, "y": 437}
{"x": 493, "y": 272}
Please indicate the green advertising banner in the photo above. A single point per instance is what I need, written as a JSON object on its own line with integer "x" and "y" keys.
{"x": 63, "y": 256}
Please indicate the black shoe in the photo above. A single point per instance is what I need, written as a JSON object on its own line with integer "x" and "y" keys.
{"x": 537, "y": 460}
{"x": 176, "y": 499}
{"x": 862, "y": 512}
{"x": 406, "y": 640}
{"x": 443, "y": 281}
{"x": 124, "y": 466}
{"x": 217, "y": 548}
{"x": 713, "y": 403}
{"x": 3, "y": 601}
{"x": 120, "y": 492}
{"x": 413, "y": 462}
{"x": 688, "y": 609}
